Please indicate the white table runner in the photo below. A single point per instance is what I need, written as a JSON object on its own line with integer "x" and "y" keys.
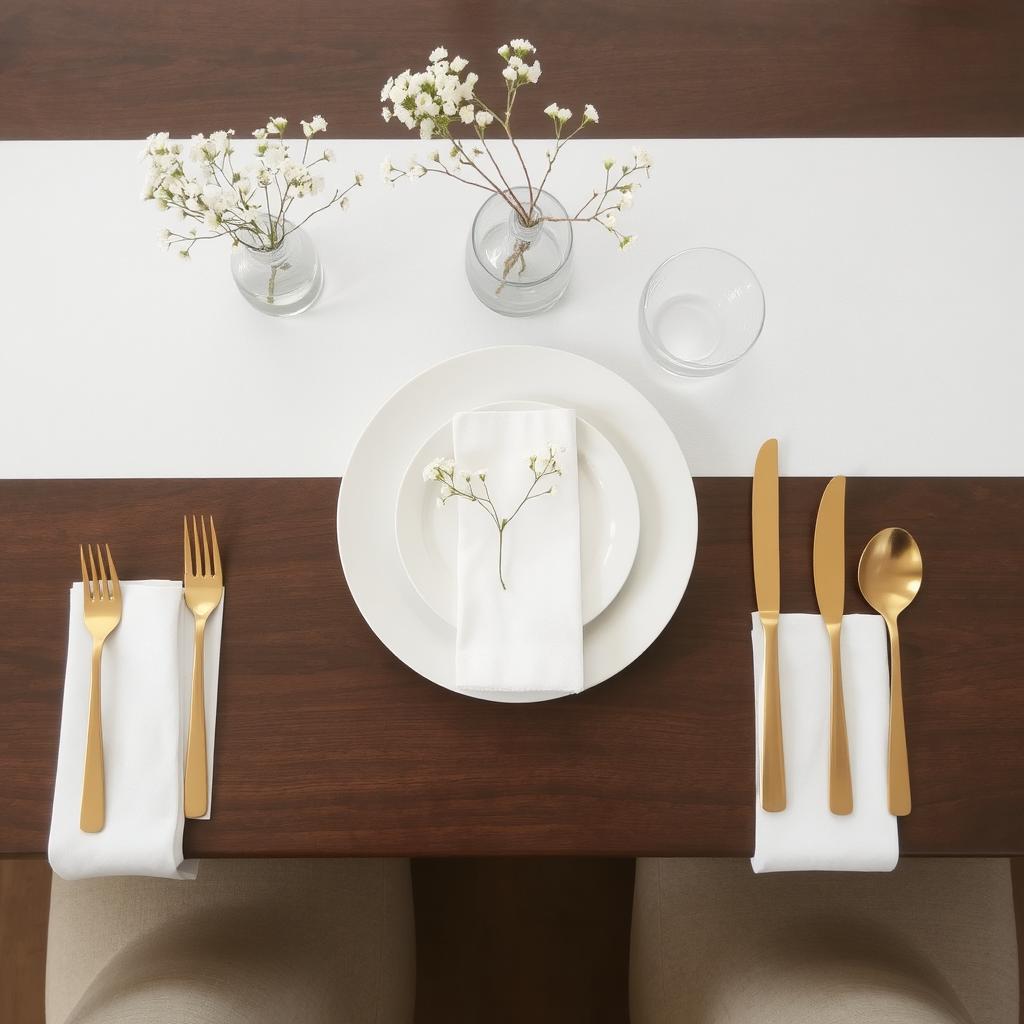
{"x": 892, "y": 272}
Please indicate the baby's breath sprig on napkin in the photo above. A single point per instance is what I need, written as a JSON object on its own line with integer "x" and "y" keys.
{"x": 456, "y": 483}
{"x": 249, "y": 203}
{"x": 443, "y": 99}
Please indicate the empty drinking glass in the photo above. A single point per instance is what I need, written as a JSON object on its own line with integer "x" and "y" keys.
{"x": 702, "y": 310}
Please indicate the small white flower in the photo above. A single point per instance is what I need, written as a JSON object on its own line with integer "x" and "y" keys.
{"x": 642, "y": 158}
{"x": 387, "y": 168}
{"x": 438, "y": 54}
{"x": 277, "y": 125}
{"x": 343, "y": 203}
{"x": 590, "y": 113}
{"x": 426, "y": 129}
{"x": 482, "y": 473}
{"x": 484, "y": 118}
{"x": 533, "y": 73}
{"x": 551, "y": 110}
{"x": 625, "y": 199}
{"x": 360, "y": 177}
{"x": 466, "y": 113}
{"x": 563, "y": 115}
{"x": 318, "y": 123}
{"x": 607, "y": 219}
{"x": 386, "y": 113}
{"x": 504, "y": 51}
{"x": 184, "y": 254}
{"x": 510, "y": 73}
{"x": 329, "y": 155}
{"x": 522, "y": 46}
{"x": 458, "y": 65}
{"x": 626, "y": 241}
{"x": 416, "y": 170}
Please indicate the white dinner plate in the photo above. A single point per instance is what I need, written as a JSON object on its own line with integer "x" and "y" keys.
{"x": 428, "y": 536}
{"x": 369, "y": 489}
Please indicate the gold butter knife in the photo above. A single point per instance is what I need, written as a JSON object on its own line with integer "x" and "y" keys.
{"x": 830, "y": 588}
{"x": 765, "y": 530}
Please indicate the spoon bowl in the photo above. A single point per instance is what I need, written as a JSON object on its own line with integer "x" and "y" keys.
{"x": 890, "y": 571}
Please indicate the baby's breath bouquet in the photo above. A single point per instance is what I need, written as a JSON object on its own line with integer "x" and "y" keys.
{"x": 216, "y": 192}
{"x": 443, "y": 102}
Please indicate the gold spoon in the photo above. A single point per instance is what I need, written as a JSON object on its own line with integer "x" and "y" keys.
{"x": 889, "y": 574}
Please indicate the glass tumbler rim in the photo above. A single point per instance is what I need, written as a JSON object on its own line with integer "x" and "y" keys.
{"x": 664, "y": 358}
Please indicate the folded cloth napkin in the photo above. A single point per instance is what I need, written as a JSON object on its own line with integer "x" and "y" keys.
{"x": 806, "y": 836}
{"x": 145, "y": 693}
{"x": 530, "y": 636}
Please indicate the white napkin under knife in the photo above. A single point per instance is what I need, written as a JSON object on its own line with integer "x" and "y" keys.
{"x": 807, "y": 836}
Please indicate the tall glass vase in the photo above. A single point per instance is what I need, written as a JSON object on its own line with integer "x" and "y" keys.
{"x": 283, "y": 281}
{"x": 518, "y": 268}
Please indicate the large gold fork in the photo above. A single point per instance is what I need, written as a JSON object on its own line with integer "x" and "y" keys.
{"x": 102, "y": 607}
{"x": 204, "y": 587}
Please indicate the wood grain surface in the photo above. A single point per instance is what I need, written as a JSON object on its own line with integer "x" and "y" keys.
{"x": 654, "y": 68}
{"x": 326, "y": 744}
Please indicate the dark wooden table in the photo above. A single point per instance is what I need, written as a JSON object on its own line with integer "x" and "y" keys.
{"x": 679, "y": 721}
{"x": 328, "y": 745}
{"x": 73, "y": 69}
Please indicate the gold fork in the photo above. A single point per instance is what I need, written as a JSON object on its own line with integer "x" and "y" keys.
{"x": 204, "y": 588}
{"x": 102, "y": 607}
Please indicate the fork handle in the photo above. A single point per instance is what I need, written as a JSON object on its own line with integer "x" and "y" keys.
{"x": 93, "y": 808}
{"x": 195, "y": 755}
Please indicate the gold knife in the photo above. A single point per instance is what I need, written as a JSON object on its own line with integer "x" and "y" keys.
{"x": 830, "y": 588}
{"x": 765, "y": 529}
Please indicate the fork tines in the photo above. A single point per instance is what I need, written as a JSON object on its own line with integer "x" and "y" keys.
{"x": 198, "y": 561}
{"x": 97, "y": 585}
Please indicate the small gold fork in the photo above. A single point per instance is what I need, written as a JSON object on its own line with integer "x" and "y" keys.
{"x": 102, "y": 607}
{"x": 204, "y": 588}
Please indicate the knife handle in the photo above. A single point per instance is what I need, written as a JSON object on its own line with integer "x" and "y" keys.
{"x": 773, "y": 762}
{"x": 899, "y": 770}
{"x": 840, "y": 786}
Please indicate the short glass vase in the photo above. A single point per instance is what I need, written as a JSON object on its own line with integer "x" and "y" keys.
{"x": 518, "y": 268}
{"x": 283, "y": 281}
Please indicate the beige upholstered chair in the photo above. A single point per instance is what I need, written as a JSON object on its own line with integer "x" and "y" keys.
{"x": 933, "y": 942}
{"x": 250, "y": 941}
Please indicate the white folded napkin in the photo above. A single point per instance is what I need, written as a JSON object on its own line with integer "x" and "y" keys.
{"x": 530, "y": 636}
{"x": 145, "y": 692}
{"x": 806, "y": 836}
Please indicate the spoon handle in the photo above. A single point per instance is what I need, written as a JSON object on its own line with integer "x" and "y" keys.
{"x": 899, "y": 770}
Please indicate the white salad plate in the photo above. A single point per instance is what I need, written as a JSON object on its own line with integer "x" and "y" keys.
{"x": 369, "y": 491}
{"x": 428, "y": 536}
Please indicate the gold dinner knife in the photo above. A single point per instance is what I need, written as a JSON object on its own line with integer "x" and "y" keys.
{"x": 830, "y": 587}
{"x": 765, "y": 529}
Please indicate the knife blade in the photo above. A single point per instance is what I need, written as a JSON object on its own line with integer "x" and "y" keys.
{"x": 830, "y": 589}
{"x": 765, "y": 532}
